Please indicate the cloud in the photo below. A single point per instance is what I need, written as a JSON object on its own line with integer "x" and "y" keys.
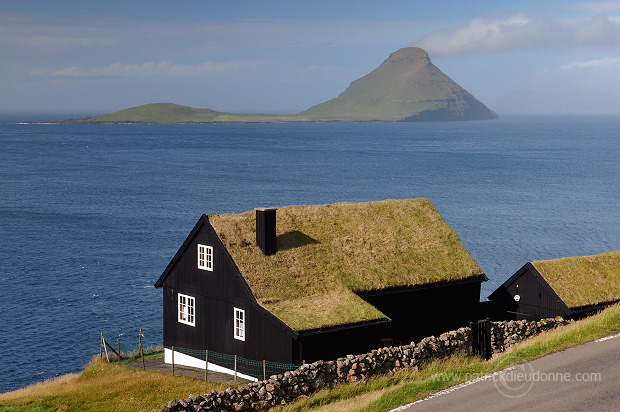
{"x": 150, "y": 69}
{"x": 605, "y": 64}
{"x": 599, "y": 31}
{"x": 483, "y": 35}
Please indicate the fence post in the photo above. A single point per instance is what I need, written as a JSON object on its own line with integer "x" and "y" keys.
{"x": 105, "y": 347}
{"x": 206, "y": 363}
{"x": 140, "y": 347}
{"x": 264, "y": 370}
{"x": 172, "y": 361}
{"x": 235, "y": 368}
{"x": 118, "y": 341}
{"x": 100, "y": 346}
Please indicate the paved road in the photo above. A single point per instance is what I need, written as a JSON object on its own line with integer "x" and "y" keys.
{"x": 583, "y": 378}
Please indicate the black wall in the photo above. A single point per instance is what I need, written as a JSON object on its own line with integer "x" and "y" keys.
{"x": 415, "y": 312}
{"x": 537, "y": 300}
{"x": 331, "y": 344}
{"x": 431, "y": 310}
{"x": 217, "y": 293}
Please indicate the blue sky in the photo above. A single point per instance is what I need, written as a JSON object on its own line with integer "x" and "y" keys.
{"x": 276, "y": 56}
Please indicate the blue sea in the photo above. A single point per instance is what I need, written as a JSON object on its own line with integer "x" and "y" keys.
{"x": 90, "y": 215}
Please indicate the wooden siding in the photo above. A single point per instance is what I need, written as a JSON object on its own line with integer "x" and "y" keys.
{"x": 537, "y": 299}
{"x": 217, "y": 293}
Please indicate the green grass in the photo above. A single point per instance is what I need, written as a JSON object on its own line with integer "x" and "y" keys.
{"x": 174, "y": 113}
{"x": 384, "y": 393}
{"x": 104, "y": 387}
{"x": 328, "y": 252}
{"x": 406, "y": 84}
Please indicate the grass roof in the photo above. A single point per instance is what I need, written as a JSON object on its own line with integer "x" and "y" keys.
{"x": 583, "y": 280}
{"x": 326, "y": 253}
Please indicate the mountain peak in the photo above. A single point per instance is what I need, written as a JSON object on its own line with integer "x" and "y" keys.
{"x": 408, "y": 55}
{"x": 407, "y": 86}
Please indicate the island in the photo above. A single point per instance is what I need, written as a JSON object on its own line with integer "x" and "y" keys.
{"x": 406, "y": 87}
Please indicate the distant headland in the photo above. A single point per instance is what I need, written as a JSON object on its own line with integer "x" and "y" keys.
{"x": 406, "y": 87}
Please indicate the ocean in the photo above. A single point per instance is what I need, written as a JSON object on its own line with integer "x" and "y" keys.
{"x": 90, "y": 215}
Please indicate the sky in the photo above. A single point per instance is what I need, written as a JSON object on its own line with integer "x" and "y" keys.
{"x": 283, "y": 56}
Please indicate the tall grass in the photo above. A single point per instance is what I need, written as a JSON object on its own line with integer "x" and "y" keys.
{"x": 104, "y": 387}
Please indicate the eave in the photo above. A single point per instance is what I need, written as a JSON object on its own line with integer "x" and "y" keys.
{"x": 402, "y": 289}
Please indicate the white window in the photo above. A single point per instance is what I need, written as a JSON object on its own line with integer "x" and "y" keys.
{"x": 187, "y": 310}
{"x": 205, "y": 257}
{"x": 239, "y": 324}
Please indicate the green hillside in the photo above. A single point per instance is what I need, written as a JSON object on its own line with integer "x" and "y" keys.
{"x": 405, "y": 87}
{"x": 175, "y": 113}
{"x": 161, "y": 113}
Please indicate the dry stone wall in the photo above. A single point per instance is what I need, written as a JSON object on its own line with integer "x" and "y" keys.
{"x": 310, "y": 378}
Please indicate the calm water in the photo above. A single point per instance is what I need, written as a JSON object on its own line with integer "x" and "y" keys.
{"x": 90, "y": 215}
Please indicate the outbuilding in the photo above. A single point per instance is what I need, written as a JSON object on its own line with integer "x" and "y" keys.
{"x": 571, "y": 287}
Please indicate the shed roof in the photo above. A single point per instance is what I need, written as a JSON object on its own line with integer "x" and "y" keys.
{"x": 326, "y": 253}
{"x": 583, "y": 280}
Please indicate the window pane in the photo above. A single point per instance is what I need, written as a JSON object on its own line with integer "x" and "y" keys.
{"x": 187, "y": 309}
{"x": 205, "y": 257}
{"x": 239, "y": 325}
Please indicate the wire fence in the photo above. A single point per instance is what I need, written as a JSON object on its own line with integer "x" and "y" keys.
{"x": 125, "y": 347}
{"x": 130, "y": 346}
{"x": 260, "y": 369}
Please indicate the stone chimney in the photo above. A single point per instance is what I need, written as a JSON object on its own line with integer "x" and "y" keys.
{"x": 266, "y": 229}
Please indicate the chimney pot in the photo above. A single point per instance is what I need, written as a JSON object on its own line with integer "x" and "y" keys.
{"x": 266, "y": 229}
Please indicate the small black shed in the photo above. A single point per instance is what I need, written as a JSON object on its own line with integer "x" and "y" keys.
{"x": 571, "y": 287}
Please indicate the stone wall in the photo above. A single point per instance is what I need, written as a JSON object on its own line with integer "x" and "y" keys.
{"x": 310, "y": 378}
{"x": 508, "y": 333}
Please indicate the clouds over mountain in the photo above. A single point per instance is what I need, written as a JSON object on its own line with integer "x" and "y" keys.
{"x": 519, "y": 31}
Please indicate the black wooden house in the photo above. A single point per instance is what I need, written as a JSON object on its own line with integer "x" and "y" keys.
{"x": 571, "y": 287}
{"x": 322, "y": 282}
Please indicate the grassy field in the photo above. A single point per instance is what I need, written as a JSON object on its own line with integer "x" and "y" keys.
{"x": 106, "y": 386}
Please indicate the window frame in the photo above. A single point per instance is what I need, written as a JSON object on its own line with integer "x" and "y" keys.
{"x": 205, "y": 257}
{"x": 186, "y": 309}
{"x": 239, "y": 324}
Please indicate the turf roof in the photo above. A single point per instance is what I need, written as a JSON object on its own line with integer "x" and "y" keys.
{"x": 326, "y": 253}
{"x": 583, "y": 280}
